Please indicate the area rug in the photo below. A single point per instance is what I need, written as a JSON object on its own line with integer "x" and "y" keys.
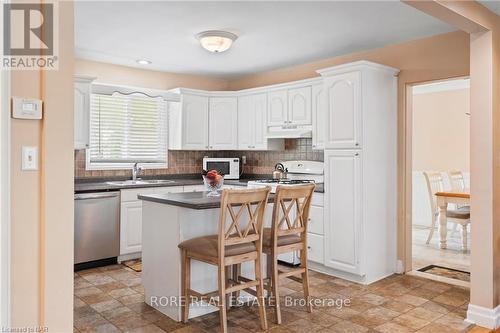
{"x": 446, "y": 272}
{"x": 135, "y": 264}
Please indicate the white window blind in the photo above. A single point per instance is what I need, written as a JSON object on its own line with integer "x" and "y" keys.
{"x": 126, "y": 129}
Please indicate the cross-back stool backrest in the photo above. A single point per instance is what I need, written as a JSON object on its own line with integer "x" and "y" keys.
{"x": 241, "y": 216}
{"x": 296, "y": 199}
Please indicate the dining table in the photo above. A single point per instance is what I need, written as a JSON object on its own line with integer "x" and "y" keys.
{"x": 443, "y": 199}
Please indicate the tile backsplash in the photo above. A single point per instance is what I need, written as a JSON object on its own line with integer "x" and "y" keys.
{"x": 189, "y": 162}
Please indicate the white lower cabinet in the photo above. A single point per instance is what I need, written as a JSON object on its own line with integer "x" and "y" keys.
{"x": 315, "y": 223}
{"x": 343, "y": 209}
{"x": 315, "y": 228}
{"x": 130, "y": 227}
{"x": 315, "y": 248}
{"x": 131, "y": 217}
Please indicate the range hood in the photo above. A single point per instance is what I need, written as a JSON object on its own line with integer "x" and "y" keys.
{"x": 289, "y": 133}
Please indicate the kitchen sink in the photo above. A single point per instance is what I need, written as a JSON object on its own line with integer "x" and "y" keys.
{"x": 140, "y": 182}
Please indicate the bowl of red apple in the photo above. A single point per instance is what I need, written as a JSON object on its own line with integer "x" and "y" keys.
{"x": 213, "y": 181}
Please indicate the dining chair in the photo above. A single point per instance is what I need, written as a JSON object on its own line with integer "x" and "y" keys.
{"x": 460, "y": 216}
{"x": 239, "y": 240}
{"x": 457, "y": 181}
{"x": 288, "y": 233}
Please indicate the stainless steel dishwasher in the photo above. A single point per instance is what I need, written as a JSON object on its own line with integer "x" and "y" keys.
{"x": 97, "y": 226}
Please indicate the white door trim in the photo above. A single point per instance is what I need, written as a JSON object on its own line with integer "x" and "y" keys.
{"x": 5, "y": 198}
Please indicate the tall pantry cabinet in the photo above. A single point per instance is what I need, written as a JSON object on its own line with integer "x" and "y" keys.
{"x": 360, "y": 141}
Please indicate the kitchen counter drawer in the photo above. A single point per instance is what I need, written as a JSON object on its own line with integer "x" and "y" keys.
{"x": 316, "y": 224}
{"x": 318, "y": 199}
{"x": 315, "y": 248}
{"x": 131, "y": 194}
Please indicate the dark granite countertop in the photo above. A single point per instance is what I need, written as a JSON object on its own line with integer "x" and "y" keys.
{"x": 101, "y": 185}
{"x": 191, "y": 200}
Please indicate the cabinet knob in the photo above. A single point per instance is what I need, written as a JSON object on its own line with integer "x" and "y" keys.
{"x": 211, "y": 147}
{"x": 356, "y": 144}
{"x": 308, "y": 247}
{"x": 357, "y": 154}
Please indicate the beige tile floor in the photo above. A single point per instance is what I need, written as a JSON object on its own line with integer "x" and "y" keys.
{"x": 111, "y": 299}
{"x": 430, "y": 254}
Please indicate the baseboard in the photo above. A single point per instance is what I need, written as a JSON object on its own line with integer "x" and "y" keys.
{"x": 129, "y": 256}
{"x": 489, "y": 318}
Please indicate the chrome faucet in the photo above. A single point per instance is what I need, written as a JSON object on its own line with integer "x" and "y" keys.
{"x": 135, "y": 171}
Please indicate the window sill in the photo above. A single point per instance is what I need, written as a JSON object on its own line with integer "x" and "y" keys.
{"x": 123, "y": 166}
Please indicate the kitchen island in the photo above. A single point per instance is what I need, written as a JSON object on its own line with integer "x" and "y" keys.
{"x": 169, "y": 219}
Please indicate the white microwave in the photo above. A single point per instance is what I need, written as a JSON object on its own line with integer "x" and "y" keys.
{"x": 229, "y": 167}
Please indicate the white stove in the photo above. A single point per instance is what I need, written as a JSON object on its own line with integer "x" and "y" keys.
{"x": 299, "y": 172}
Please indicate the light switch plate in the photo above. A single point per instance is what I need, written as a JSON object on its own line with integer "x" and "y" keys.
{"x": 30, "y": 158}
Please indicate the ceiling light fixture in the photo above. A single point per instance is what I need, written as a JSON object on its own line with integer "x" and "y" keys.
{"x": 215, "y": 40}
{"x": 143, "y": 62}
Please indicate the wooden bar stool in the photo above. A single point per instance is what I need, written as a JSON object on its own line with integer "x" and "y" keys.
{"x": 287, "y": 234}
{"x": 234, "y": 244}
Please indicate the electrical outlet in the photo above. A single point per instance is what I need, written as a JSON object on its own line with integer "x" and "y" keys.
{"x": 243, "y": 159}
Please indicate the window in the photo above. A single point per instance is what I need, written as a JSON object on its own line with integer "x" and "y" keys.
{"x": 125, "y": 129}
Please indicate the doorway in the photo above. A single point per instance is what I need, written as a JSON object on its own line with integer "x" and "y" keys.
{"x": 440, "y": 156}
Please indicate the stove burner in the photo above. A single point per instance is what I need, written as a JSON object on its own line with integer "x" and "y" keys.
{"x": 295, "y": 181}
{"x": 285, "y": 181}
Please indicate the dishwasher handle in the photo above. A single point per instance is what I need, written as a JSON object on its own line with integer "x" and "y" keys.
{"x": 100, "y": 195}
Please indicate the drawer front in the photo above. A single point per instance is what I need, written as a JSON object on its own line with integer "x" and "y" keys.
{"x": 315, "y": 222}
{"x": 194, "y": 188}
{"x": 315, "y": 248}
{"x": 317, "y": 199}
{"x": 131, "y": 194}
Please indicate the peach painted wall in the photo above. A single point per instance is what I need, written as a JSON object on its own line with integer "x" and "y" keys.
{"x": 441, "y": 131}
{"x": 122, "y": 75}
{"x": 25, "y": 210}
{"x": 42, "y": 201}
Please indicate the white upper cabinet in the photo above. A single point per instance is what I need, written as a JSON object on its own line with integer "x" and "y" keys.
{"x": 299, "y": 106}
{"x": 277, "y": 114}
{"x": 343, "y": 116}
{"x": 223, "y": 123}
{"x": 319, "y": 109}
{"x": 82, "y": 90}
{"x": 289, "y": 108}
{"x": 246, "y": 125}
{"x": 252, "y": 122}
{"x": 260, "y": 113}
{"x": 194, "y": 122}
